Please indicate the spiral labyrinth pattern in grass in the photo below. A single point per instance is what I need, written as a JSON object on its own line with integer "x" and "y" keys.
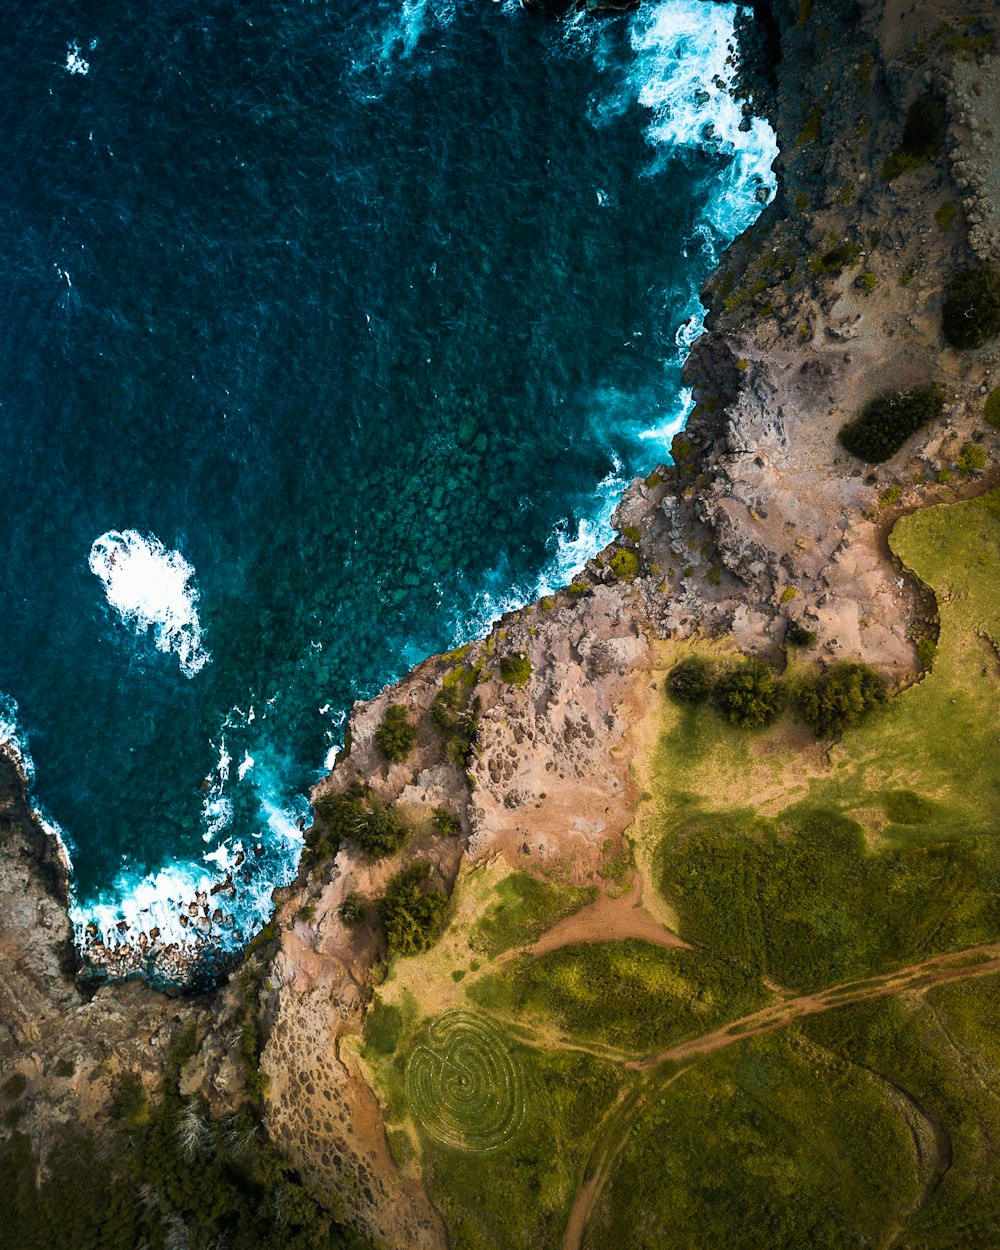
{"x": 463, "y": 1084}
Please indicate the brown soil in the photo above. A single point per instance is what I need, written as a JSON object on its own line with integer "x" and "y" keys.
{"x": 608, "y": 920}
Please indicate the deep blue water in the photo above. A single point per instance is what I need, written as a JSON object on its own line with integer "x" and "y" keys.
{"x": 363, "y": 311}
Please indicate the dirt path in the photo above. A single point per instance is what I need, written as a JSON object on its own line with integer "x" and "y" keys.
{"x": 608, "y": 920}
{"x": 976, "y": 961}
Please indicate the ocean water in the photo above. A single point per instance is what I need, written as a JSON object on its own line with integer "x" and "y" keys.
{"x": 328, "y": 331}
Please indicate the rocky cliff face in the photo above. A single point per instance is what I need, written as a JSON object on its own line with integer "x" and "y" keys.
{"x": 833, "y": 296}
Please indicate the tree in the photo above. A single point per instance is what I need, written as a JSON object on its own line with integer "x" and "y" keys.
{"x": 357, "y": 816}
{"x": 690, "y": 681}
{"x": 748, "y": 695}
{"x": 970, "y": 313}
{"x": 840, "y": 698}
{"x": 888, "y": 421}
{"x": 411, "y": 914}
{"x": 396, "y": 736}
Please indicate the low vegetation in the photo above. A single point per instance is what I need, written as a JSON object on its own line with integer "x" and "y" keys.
{"x": 840, "y": 698}
{"x": 991, "y": 409}
{"x": 523, "y": 908}
{"x": 922, "y": 137}
{"x": 630, "y": 994}
{"x": 889, "y": 420}
{"x": 357, "y": 816}
{"x": 396, "y": 736}
{"x": 970, "y": 313}
{"x": 410, "y": 911}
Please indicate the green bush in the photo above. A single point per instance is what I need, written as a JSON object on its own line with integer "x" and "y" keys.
{"x": 888, "y": 421}
{"x": 14, "y": 1086}
{"x": 839, "y": 698}
{"x": 992, "y": 409}
{"x": 515, "y": 669}
{"x": 748, "y": 695}
{"x": 131, "y": 1100}
{"x": 352, "y": 910}
{"x": 970, "y": 314}
{"x": 926, "y": 651}
{"x": 796, "y": 635}
{"x": 690, "y": 681}
{"x": 836, "y": 260}
{"x": 396, "y": 736}
{"x": 971, "y": 459}
{"x": 923, "y": 135}
{"x": 410, "y": 913}
{"x": 455, "y": 712}
{"x": 624, "y": 564}
{"x": 357, "y": 816}
{"x": 445, "y": 823}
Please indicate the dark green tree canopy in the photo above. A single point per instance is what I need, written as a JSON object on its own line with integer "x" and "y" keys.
{"x": 970, "y": 314}
{"x": 889, "y": 420}
{"x": 690, "y": 681}
{"x": 748, "y": 695}
{"x": 839, "y": 698}
{"x": 396, "y": 736}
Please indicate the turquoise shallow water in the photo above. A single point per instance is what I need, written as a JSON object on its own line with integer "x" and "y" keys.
{"x": 329, "y": 331}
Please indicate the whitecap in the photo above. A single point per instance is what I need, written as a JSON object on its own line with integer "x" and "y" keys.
{"x": 152, "y": 589}
{"x": 683, "y": 74}
{"x": 75, "y": 61}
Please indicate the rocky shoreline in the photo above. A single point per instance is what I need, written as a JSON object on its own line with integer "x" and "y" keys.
{"x": 762, "y": 522}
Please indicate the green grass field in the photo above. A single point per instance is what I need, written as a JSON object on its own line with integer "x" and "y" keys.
{"x": 504, "y": 1076}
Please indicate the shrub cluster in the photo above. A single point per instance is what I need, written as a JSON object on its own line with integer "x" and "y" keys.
{"x": 971, "y": 459}
{"x": 748, "y": 694}
{"x": 411, "y": 914}
{"x": 923, "y": 135}
{"x": 839, "y": 698}
{"x": 970, "y": 313}
{"x": 515, "y": 669}
{"x": 796, "y": 635}
{"x": 690, "y": 681}
{"x": 396, "y": 736}
{"x": 455, "y": 712}
{"x": 888, "y": 421}
{"x": 357, "y": 816}
{"x": 624, "y": 564}
{"x": 352, "y": 910}
{"x": 447, "y": 825}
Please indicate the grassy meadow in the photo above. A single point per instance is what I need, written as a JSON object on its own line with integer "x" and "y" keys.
{"x": 508, "y": 1081}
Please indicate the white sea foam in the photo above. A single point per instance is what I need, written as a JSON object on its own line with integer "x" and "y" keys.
{"x": 11, "y": 738}
{"x": 152, "y": 588}
{"x": 407, "y": 26}
{"x": 682, "y": 51}
{"x": 75, "y": 61}
{"x": 177, "y": 898}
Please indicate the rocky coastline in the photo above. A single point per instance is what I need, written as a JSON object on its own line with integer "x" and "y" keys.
{"x": 761, "y": 523}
